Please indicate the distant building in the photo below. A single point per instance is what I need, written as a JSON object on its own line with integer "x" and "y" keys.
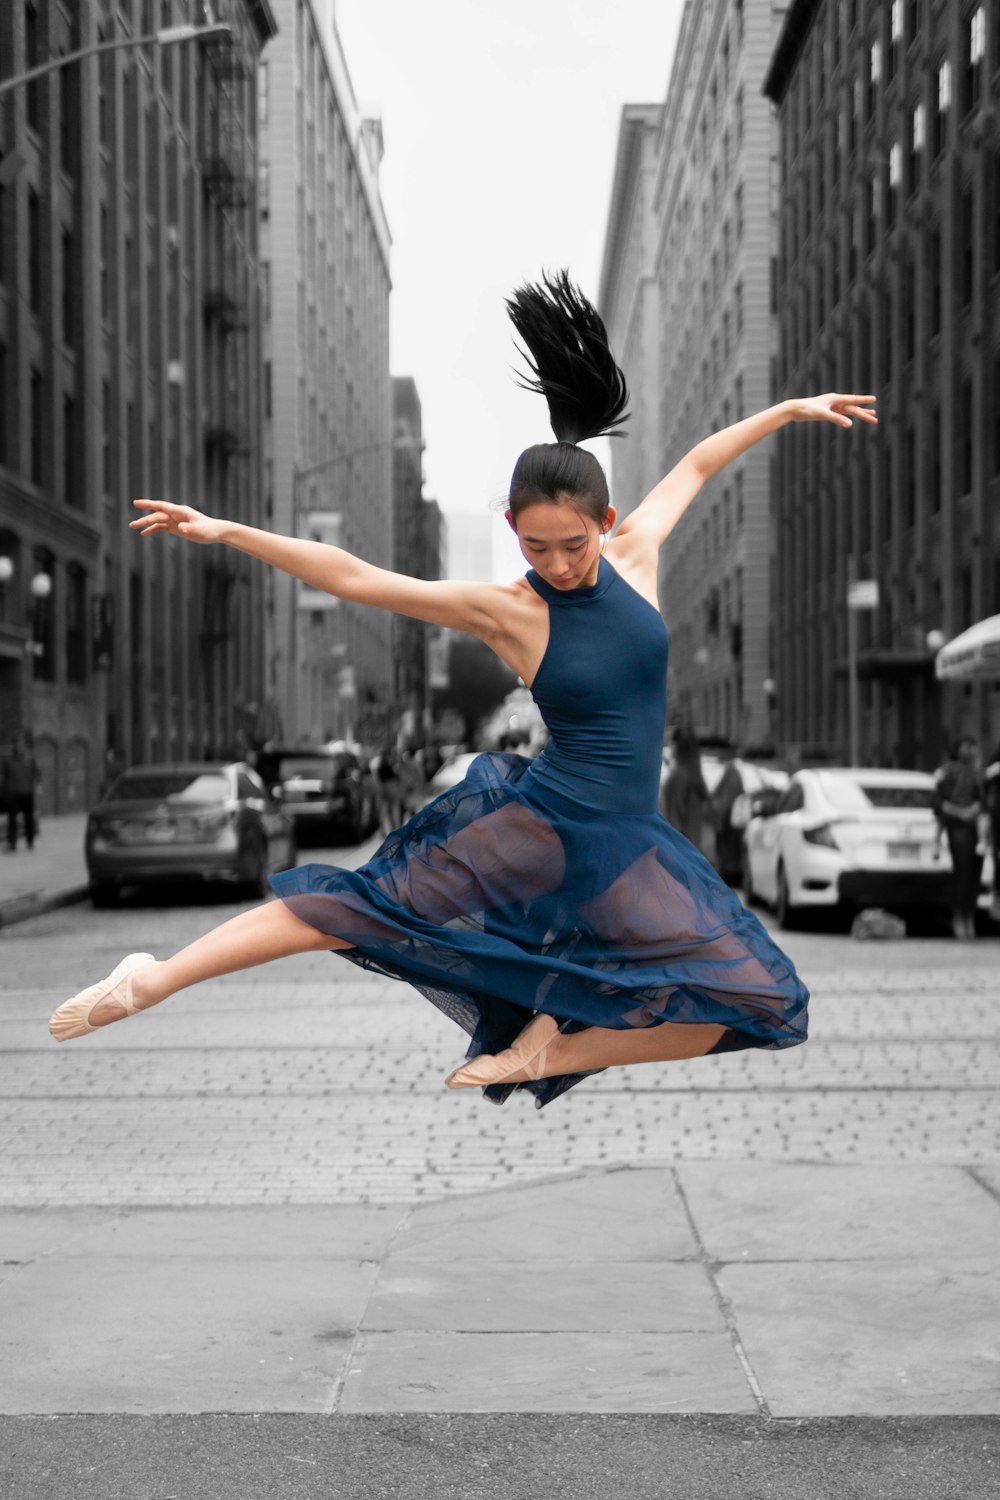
{"x": 470, "y": 545}
{"x": 416, "y": 540}
{"x": 685, "y": 291}
{"x": 325, "y": 244}
{"x": 129, "y": 366}
{"x": 630, "y": 303}
{"x": 887, "y": 282}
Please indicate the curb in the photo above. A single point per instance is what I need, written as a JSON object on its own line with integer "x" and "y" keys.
{"x": 20, "y": 908}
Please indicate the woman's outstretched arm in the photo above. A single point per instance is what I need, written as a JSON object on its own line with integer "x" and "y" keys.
{"x": 651, "y": 523}
{"x": 461, "y": 606}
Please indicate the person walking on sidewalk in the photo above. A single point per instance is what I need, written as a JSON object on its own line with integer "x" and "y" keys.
{"x": 18, "y": 780}
{"x": 544, "y": 905}
{"x": 958, "y": 803}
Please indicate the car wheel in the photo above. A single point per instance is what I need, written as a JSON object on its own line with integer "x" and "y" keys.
{"x": 105, "y": 894}
{"x": 786, "y": 913}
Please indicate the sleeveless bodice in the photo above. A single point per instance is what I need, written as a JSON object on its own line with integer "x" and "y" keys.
{"x": 601, "y": 689}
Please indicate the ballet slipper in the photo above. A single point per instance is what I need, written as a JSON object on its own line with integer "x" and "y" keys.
{"x": 525, "y": 1055}
{"x": 73, "y": 1016}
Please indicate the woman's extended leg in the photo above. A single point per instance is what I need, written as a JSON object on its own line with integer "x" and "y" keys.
{"x": 607, "y": 1047}
{"x": 254, "y": 937}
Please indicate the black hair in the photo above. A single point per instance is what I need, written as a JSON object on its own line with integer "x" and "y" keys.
{"x": 955, "y": 748}
{"x": 574, "y": 369}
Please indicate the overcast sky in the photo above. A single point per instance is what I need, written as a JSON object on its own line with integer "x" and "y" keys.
{"x": 501, "y": 125}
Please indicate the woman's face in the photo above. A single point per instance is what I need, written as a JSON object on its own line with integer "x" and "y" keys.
{"x": 561, "y": 542}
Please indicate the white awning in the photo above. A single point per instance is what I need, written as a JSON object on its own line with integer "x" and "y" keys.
{"x": 974, "y": 653}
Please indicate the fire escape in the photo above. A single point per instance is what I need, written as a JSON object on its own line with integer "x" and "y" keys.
{"x": 226, "y": 179}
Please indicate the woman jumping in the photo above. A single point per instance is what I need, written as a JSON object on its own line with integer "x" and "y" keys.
{"x": 545, "y": 905}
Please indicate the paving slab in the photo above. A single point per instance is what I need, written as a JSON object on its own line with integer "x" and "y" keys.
{"x": 142, "y": 1314}
{"x": 888, "y": 1338}
{"x": 563, "y": 1295}
{"x": 630, "y": 1215}
{"x": 554, "y": 1372}
{"x": 787, "y": 1211}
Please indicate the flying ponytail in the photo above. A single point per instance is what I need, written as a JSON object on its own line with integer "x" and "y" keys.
{"x": 573, "y": 368}
{"x": 570, "y": 359}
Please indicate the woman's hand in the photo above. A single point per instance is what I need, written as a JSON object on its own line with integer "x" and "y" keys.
{"x": 832, "y": 408}
{"x": 178, "y": 520}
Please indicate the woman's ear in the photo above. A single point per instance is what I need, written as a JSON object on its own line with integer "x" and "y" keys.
{"x": 610, "y": 517}
{"x": 511, "y": 522}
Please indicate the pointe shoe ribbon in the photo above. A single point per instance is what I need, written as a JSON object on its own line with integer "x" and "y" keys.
{"x": 525, "y": 1054}
{"x": 73, "y": 1016}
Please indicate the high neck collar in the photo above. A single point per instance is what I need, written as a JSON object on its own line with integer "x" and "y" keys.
{"x": 582, "y": 595}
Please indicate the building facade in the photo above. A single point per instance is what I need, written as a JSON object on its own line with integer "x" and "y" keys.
{"x": 416, "y": 547}
{"x": 703, "y": 274}
{"x": 886, "y": 282}
{"x": 129, "y": 360}
{"x": 326, "y": 251}
{"x": 629, "y": 302}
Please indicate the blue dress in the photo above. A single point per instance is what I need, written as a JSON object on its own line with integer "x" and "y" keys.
{"x": 555, "y": 884}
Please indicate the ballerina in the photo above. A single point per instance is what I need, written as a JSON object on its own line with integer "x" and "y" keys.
{"x": 544, "y": 905}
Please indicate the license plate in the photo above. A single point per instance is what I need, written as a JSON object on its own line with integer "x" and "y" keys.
{"x": 160, "y": 833}
{"x": 903, "y": 851}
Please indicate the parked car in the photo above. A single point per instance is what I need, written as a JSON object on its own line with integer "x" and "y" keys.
{"x": 849, "y": 838}
{"x": 736, "y": 790}
{"x": 193, "y": 820}
{"x": 325, "y": 791}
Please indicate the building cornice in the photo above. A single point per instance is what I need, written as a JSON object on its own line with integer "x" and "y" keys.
{"x": 798, "y": 22}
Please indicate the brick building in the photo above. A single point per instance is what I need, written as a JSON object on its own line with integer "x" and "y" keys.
{"x": 325, "y": 243}
{"x": 416, "y": 549}
{"x": 687, "y": 257}
{"x": 129, "y": 359}
{"x": 886, "y": 281}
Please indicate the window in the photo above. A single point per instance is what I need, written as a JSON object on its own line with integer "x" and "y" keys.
{"x": 943, "y": 105}
{"x": 3, "y": 402}
{"x": 73, "y": 488}
{"x": 106, "y": 436}
{"x": 967, "y": 252}
{"x": 964, "y": 433}
{"x": 32, "y": 59}
{"x": 67, "y": 291}
{"x": 934, "y": 498}
{"x": 36, "y": 420}
{"x": 934, "y": 266}
{"x": 918, "y": 137}
{"x": 34, "y": 253}
{"x": 974, "y": 48}
{"x": 895, "y": 179}
{"x": 76, "y": 624}
{"x": 874, "y": 76}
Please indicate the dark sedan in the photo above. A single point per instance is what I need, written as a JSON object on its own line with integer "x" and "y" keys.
{"x": 187, "y": 821}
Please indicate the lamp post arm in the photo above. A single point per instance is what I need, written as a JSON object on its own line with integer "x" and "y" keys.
{"x": 163, "y": 38}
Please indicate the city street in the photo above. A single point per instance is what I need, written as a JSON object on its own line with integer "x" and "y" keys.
{"x": 259, "y": 1205}
{"x": 310, "y": 1081}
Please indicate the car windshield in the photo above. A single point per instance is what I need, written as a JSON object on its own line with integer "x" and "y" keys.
{"x": 859, "y": 796}
{"x": 170, "y": 786}
{"x": 310, "y": 766}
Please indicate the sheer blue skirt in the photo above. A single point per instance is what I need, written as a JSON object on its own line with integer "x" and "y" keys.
{"x": 499, "y": 899}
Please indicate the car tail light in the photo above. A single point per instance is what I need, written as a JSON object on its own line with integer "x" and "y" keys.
{"x": 821, "y": 834}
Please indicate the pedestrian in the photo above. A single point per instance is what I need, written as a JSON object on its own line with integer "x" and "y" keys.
{"x": 728, "y": 837}
{"x": 19, "y": 779}
{"x": 388, "y": 789}
{"x": 991, "y": 799}
{"x": 685, "y": 797}
{"x": 958, "y": 804}
{"x": 544, "y": 905}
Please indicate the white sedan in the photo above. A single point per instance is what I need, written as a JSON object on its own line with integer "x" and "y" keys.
{"x": 850, "y": 838}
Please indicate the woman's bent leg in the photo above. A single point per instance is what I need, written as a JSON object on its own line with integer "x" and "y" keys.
{"x": 254, "y": 937}
{"x": 607, "y": 1047}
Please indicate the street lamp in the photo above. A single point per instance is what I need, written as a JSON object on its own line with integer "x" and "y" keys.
{"x": 167, "y": 36}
